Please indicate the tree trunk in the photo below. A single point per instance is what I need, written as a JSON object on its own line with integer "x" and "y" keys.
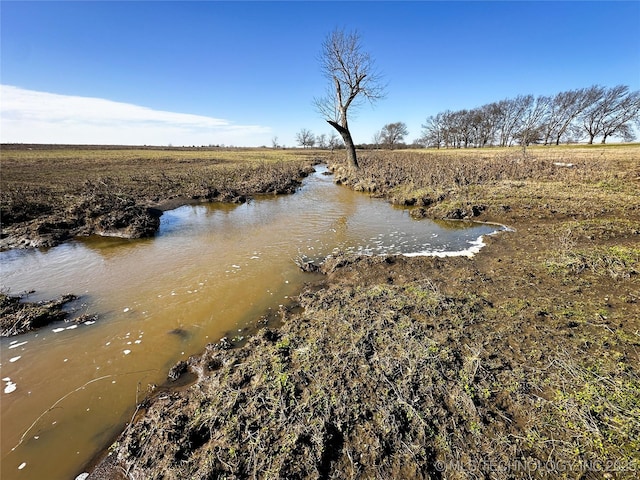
{"x": 352, "y": 161}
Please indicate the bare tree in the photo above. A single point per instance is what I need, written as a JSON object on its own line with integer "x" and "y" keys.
{"x": 377, "y": 139}
{"x": 432, "y": 131}
{"x": 624, "y": 109}
{"x": 591, "y": 117}
{"x": 611, "y": 112}
{"x": 509, "y": 115}
{"x": 333, "y": 141}
{"x": 352, "y": 79}
{"x": 274, "y": 142}
{"x": 484, "y": 126}
{"x": 393, "y": 133}
{"x": 305, "y": 138}
{"x": 564, "y": 109}
{"x": 321, "y": 141}
{"x": 532, "y": 118}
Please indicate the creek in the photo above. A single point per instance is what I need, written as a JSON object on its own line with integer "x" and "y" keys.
{"x": 211, "y": 271}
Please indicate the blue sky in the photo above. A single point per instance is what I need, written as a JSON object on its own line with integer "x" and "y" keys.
{"x": 241, "y": 73}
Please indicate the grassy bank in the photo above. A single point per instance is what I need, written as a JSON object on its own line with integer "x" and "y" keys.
{"x": 521, "y": 362}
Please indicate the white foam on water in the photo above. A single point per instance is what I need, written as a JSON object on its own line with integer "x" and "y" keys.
{"x": 57, "y": 330}
{"x": 15, "y": 359}
{"x": 10, "y": 387}
{"x": 127, "y": 352}
{"x": 476, "y": 246}
{"x": 16, "y": 345}
{"x": 22, "y": 465}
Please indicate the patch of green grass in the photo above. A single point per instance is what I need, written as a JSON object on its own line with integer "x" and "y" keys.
{"x": 602, "y": 410}
{"x": 618, "y": 262}
{"x": 596, "y": 229}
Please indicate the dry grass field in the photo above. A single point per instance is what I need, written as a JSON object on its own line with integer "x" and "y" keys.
{"x": 142, "y": 172}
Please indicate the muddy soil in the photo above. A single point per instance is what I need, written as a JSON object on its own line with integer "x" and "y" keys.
{"x": 18, "y": 316}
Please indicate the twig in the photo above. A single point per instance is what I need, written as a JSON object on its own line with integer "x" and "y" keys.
{"x": 67, "y": 395}
{"x": 54, "y": 406}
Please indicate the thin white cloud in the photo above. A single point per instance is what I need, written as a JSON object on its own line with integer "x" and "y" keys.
{"x": 29, "y": 116}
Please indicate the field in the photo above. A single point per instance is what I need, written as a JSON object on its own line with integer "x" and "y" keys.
{"x": 521, "y": 362}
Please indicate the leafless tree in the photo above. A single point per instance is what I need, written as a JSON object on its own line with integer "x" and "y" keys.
{"x": 532, "y": 118}
{"x": 591, "y": 117}
{"x": 623, "y": 108}
{"x": 352, "y": 78}
{"x": 432, "y": 131}
{"x": 484, "y": 126}
{"x": 333, "y": 142}
{"x": 450, "y": 132}
{"x": 510, "y": 113}
{"x": 274, "y": 142}
{"x": 393, "y": 133}
{"x": 564, "y": 109}
{"x": 321, "y": 141}
{"x": 377, "y": 139}
{"x": 305, "y": 138}
{"x": 611, "y": 112}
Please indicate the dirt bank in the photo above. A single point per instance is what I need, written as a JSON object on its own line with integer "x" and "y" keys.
{"x": 51, "y": 194}
{"x": 18, "y": 316}
{"x": 521, "y": 362}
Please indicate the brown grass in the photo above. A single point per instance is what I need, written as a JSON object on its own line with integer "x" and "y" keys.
{"x": 453, "y": 184}
{"x": 47, "y": 176}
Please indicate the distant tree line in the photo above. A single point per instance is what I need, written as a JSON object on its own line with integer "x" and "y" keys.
{"x": 307, "y": 139}
{"x": 588, "y": 113}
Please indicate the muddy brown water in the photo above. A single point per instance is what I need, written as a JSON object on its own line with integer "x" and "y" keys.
{"x": 211, "y": 271}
